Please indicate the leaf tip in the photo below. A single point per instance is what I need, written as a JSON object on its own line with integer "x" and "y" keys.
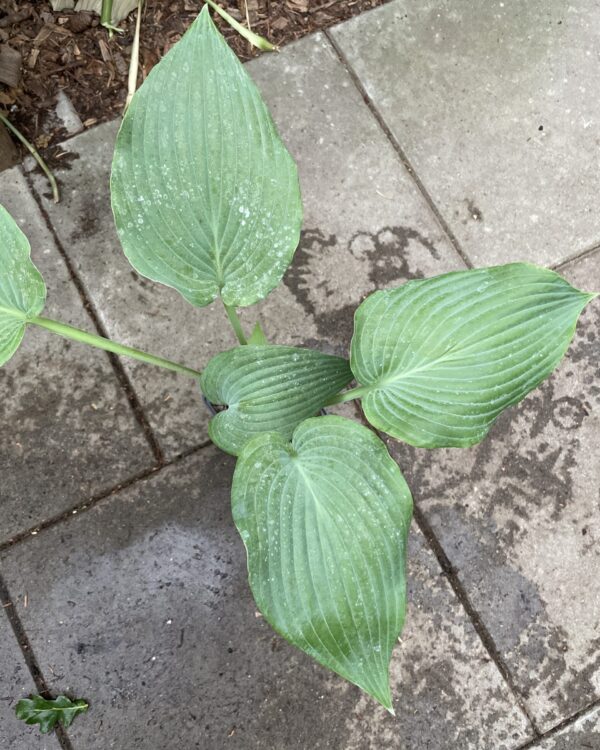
{"x": 384, "y": 697}
{"x": 264, "y": 45}
{"x": 204, "y": 20}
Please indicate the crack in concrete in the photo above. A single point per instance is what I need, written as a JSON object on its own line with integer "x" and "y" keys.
{"x": 121, "y": 375}
{"x": 29, "y": 656}
{"x": 399, "y": 151}
{"x": 94, "y": 500}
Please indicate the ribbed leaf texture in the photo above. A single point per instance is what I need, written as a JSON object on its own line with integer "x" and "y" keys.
{"x": 325, "y": 522}
{"x": 268, "y": 389}
{"x": 22, "y": 289}
{"x": 204, "y": 193}
{"x": 442, "y": 357}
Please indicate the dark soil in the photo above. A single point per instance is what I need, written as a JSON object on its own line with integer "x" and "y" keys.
{"x": 70, "y": 50}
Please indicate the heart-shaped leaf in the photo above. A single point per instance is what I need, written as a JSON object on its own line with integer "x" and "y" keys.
{"x": 22, "y": 289}
{"x": 325, "y": 522}
{"x": 268, "y": 389}
{"x": 204, "y": 193}
{"x": 440, "y": 358}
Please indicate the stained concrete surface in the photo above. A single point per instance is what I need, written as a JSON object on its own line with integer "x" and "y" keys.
{"x": 140, "y": 604}
{"x": 518, "y": 517}
{"x": 65, "y": 418}
{"x": 146, "y": 611}
{"x": 495, "y": 106}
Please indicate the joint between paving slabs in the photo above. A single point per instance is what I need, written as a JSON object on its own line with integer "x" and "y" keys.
{"x": 425, "y": 528}
{"x": 460, "y": 592}
{"x": 91, "y": 502}
{"x": 564, "y": 724}
{"x": 484, "y": 634}
{"x": 37, "y": 676}
{"x": 445, "y": 227}
{"x": 118, "y": 369}
{"x": 580, "y": 255}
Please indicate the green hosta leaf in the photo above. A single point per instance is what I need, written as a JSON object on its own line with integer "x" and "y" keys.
{"x": 205, "y": 194}
{"x": 22, "y": 289}
{"x": 325, "y": 522}
{"x": 48, "y": 713}
{"x": 442, "y": 357}
{"x": 268, "y": 389}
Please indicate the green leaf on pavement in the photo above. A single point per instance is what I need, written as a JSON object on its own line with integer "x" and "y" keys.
{"x": 205, "y": 195}
{"x": 268, "y": 389}
{"x": 22, "y": 289}
{"x": 325, "y": 522}
{"x": 49, "y": 713}
{"x": 440, "y": 358}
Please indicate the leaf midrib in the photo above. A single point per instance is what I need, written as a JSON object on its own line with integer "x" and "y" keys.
{"x": 14, "y": 313}
{"x": 307, "y": 481}
{"x": 401, "y": 374}
{"x": 58, "y": 708}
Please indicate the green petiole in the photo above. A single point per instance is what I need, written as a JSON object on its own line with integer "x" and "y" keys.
{"x": 76, "y": 334}
{"x": 350, "y": 395}
{"x": 106, "y": 17}
{"x": 236, "y": 324}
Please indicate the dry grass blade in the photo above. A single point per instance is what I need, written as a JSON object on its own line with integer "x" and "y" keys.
{"x": 135, "y": 57}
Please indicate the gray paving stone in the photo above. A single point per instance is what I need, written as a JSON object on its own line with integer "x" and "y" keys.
{"x": 365, "y": 226}
{"x": 494, "y": 105}
{"x": 16, "y": 684}
{"x": 146, "y": 611}
{"x": 583, "y": 734}
{"x": 68, "y": 430}
{"x": 518, "y": 517}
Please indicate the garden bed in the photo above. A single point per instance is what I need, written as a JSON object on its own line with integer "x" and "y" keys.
{"x": 71, "y": 51}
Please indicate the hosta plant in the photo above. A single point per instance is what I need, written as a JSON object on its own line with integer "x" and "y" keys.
{"x": 206, "y": 200}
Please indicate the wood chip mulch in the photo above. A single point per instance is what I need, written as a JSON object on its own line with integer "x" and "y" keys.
{"x": 44, "y": 51}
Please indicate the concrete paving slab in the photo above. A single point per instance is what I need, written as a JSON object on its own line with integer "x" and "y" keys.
{"x": 365, "y": 226}
{"x": 518, "y": 518}
{"x": 495, "y": 106}
{"x": 146, "y": 611}
{"x": 16, "y": 684}
{"x": 583, "y": 734}
{"x": 68, "y": 430}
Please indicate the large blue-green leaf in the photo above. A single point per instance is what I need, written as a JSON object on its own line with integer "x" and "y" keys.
{"x": 22, "y": 289}
{"x": 268, "y": 389}
{"x": 440, "y": 358}
{"x": 325, "y": 520}
{"x": 204, "y": 193}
